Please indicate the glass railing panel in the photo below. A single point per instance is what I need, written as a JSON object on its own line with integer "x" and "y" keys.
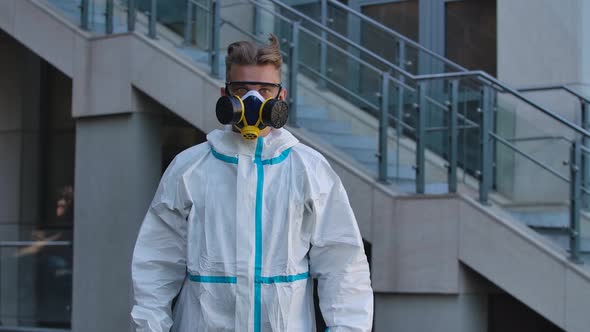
{"x": 69, "y": 8}
{"x": 310, "y": 9}
{"x": 72, "y": 9}
{"x": 310, "y": 55}
{"x": 378, "y": 39}
{"x": 436, "y": 133}
{"x": 120, "y": 16}
{"x": 545, "y": 211}
{"x": 97, "y": 16}
{"x": 333, "y": 113}
{"x": 540, "y": 137}
{"x": 401, "y": 143}
{"x": 469, "y": 135}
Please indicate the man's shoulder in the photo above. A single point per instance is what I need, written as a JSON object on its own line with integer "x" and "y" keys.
{"x": 308, "y": 154}
{"x": 189, "y": 157}
{"x": 194, "y": 151}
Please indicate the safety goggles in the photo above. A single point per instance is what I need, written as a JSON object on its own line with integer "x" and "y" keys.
{"x": 267, "y": 90}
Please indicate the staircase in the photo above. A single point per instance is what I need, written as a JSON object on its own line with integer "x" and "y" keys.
{"x": 413, "y": 126}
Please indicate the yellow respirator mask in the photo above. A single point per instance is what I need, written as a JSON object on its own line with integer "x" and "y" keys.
{"x": 251, "y": 113}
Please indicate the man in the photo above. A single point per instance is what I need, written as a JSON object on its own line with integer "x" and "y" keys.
{"x": 238, "y": 228}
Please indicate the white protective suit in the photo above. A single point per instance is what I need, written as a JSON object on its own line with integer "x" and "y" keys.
{"x": 239, "y": 228}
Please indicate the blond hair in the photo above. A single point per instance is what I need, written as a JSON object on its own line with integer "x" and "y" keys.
{"x": 249, "y": 53}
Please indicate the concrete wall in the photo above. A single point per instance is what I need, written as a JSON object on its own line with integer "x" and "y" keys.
{"x": 425, "y": 313}
{"x": 545, "y": 48}
{"x": 549, "y": 47}
{"x": 525, "y": 265}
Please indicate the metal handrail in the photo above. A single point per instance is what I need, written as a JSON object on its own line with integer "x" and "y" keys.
{"x": 540, "y": 138}
{"x": 564, "y": 87}
{"x": 201, "y": 6}
{"x": 397, "y": 35}
{"x": 492, "y": 81}
{"x": 502, "y": 87}
{"x": 527, "y": 156}
{"x": 333, "y": 33}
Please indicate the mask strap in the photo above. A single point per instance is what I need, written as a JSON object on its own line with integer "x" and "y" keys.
{"x": 278, "y": 93}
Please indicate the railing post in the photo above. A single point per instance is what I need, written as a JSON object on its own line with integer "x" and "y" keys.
{"x": 400, "y": 104}
{"x": 215, "y": 56}
{"x": 575, "y": 193}
{"x": 188, "y": 24}
{"x": 453, "y": 135}
{"x": 153, "y": 18}
{"x": 383, "y": 128}
{"x": 323, "y": 44}
{"x": 257, "y": 18}
{"x": 421, "y": 139}
{"x": 109, "y": 16}
{"x": 485, "y": 181}
{"x": 401, "y": 54}
{"x": 131, "y": 15}
{"x": 585, "y": 156}
{"x": 85, "y": 14}
{"x": 293, "y": 73}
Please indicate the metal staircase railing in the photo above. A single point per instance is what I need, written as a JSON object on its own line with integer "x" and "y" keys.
{"x": 444, "y": 113}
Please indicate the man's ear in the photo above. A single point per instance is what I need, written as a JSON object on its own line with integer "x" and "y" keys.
{"x": 222, "y": 91}
{"x": 283, "y": 95}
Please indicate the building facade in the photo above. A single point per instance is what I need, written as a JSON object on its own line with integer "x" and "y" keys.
{"x": 89, "y": 123}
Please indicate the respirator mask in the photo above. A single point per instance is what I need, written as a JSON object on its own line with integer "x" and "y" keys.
{"x": 251, "y": 110}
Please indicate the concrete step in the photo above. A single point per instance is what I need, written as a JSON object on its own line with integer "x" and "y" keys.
{"x": 553, "y": 225}
{"x": 394, "y": 172}
{"x": 542, "y": 218}
{"x": 562, "y": 240}
{"x": 409, "y": 186}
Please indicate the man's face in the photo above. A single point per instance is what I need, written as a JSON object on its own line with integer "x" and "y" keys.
{"x": 256, "y": 73}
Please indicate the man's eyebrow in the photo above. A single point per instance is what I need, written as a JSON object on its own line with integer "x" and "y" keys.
{"x": 254, "y": 83}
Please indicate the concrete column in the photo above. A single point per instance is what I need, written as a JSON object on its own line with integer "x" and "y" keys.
{"x": 117, "y": 171}
{"x": 430, "y": 312}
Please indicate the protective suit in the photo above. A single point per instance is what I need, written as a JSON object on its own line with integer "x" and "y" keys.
{"x": 238, "y": 229}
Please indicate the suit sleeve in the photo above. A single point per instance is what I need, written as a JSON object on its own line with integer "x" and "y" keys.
{"x": 337, "y": 257}
{"x": 159, "y": 258}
